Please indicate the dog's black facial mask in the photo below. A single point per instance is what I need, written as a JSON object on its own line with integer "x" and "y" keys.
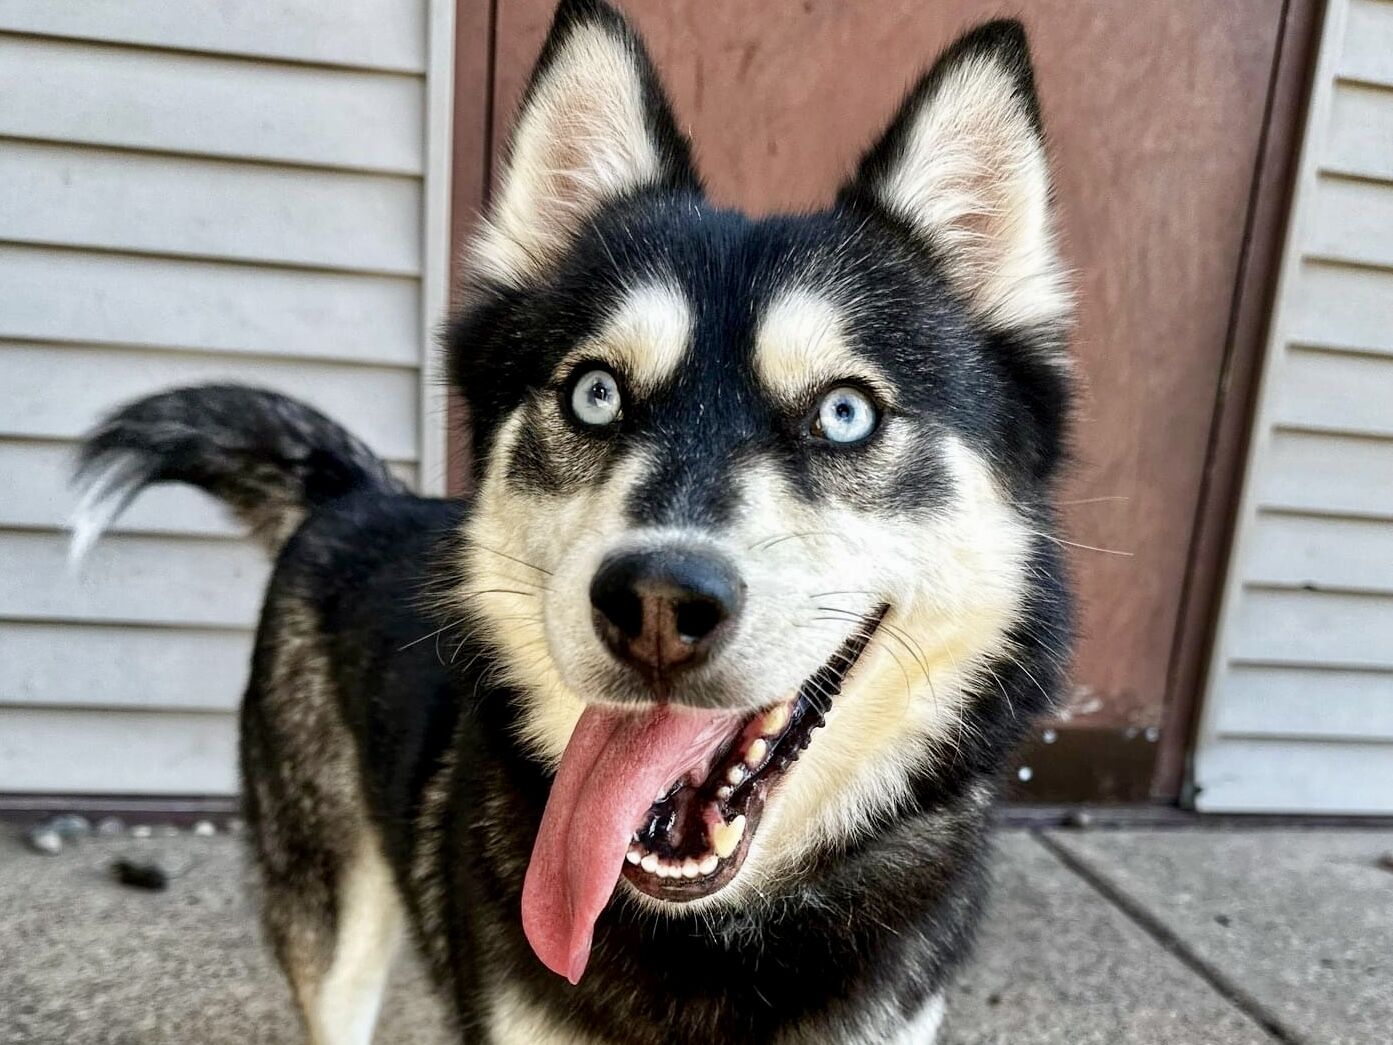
{"x": 937, "y": 257}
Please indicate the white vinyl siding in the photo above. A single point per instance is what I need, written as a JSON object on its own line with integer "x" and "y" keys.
{"x": 1298, "y": 716}
{"x": 193, "y": 192}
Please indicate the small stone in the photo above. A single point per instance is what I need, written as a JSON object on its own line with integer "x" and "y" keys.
{"x": 142, "y": 831}
{"x": 204, "y": 829}
{"x": 71, "y": 825}
{"x": 1386, "y": 860}
{"x": 1223, "y": 919}
{"x": 236, "y": 825}
{"x": 43, "y": 839}
{"x": 110, "y": 826}
{"x": 1024, "y": 774}
{"x": 140, "y": 875}
{"x": 1078, "y": 819}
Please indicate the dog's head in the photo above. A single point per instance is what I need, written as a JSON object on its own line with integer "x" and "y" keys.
{"x": 740, "y": 478}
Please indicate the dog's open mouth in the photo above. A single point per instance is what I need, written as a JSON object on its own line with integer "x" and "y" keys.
{"x": 694, "y": 837}
{"x": 712, "y": 773}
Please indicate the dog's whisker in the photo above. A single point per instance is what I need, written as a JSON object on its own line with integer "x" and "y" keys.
{"x": 433, "y": 634}
{"x": 1083, "y": 547}
{"x": 493, "y": 591}
{"x": 910, "y": 647}
{"x": 511, "y": 558}
{"x": 1010, "y": 706}
{"x": 770, "y": 542}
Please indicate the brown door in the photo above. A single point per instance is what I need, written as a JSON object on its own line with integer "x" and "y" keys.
{"x": 1156, "y": 114}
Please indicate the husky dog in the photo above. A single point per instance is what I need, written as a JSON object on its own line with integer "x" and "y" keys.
{"x": 686, "y": 727}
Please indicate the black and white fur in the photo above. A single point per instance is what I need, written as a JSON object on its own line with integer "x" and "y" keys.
{"x": 420, "y": 663}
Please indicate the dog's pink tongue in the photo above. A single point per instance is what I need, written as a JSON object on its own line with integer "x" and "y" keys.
{"x": 614, "y": 765}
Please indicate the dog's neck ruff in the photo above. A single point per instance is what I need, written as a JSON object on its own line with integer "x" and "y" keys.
{"x": 711, "y": 773}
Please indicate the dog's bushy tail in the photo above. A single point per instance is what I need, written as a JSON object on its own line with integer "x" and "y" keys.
{"x": 272, "y": 459}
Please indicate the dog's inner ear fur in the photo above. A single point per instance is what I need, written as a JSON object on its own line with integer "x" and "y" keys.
{"x": 963, "y": 166}
{"x": 593, "y": 127}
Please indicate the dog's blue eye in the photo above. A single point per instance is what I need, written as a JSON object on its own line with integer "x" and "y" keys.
{"x": 595, "y": 400}
{"x": 845, "y": 415}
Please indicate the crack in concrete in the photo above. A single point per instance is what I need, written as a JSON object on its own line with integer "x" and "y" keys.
{"x": 1241, "y": 999}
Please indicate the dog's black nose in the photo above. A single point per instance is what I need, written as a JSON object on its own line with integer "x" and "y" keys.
{"x": 663, "y": 610}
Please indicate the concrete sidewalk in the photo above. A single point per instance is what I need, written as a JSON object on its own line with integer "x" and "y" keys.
{"x": 1113, "y": 937}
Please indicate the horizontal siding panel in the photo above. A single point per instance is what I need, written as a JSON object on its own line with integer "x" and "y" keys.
{"x": 1298, "y": 717}
{"x": 1368, "y": 45}
{"x": 1323, "y": 472}
{"x": 383, "y": 34}
{"x": 128, "y": 98}
{"x": 1351, "y": 220}
{"x": 1341, "y": 306}
{"x": 38, "y": 496}
{"x": 1359, "y": 138}
{"x": 1300, "y": 550}
{"x": 1303, "y": 627}
{"x": 1317, "y": 702}
{"x": 380, "y": 405}
{"x": 1277, "y": 776}
{"x": 50, "y": 294}
{"x": 1336, "y": 390}
{"x": 117, "y": 752}
{"x": 133, "y": 579}
{"x": 82, "y": 197}
{"x": 76, "y": 665}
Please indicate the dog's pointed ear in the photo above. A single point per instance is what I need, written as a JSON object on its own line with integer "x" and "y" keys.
{"x": 594, "y": 126}
{"x": 962, "y": 167}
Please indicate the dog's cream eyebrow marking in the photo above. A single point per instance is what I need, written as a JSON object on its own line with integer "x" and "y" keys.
{"x": 801, "y": 345}
{"x": 644, "y": 338}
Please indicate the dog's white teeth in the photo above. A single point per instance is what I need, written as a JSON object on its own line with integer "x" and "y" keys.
{"x": 724, "y": 791}
{"x": 736, "y": 775}
{"x": 691, "y": 867}
{"x": 775, "y": 719}
{"x": 725, "y": 837}
{"x": 754, "y": 754}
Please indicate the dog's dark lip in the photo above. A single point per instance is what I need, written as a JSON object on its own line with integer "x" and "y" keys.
{"x": 680, "y": 828}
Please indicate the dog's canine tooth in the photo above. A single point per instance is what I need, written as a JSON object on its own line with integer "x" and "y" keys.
{"x": 725, "y": 837}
